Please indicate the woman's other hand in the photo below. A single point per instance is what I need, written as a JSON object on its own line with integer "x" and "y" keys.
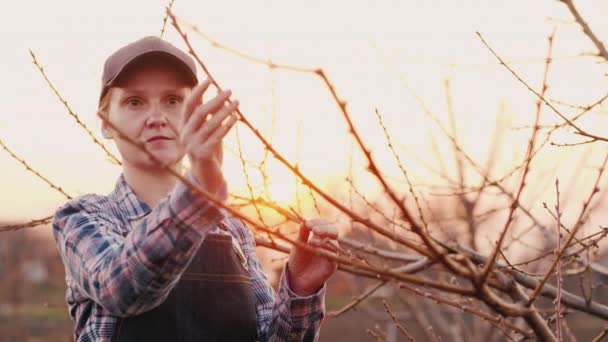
{"x": 308, "y": 271}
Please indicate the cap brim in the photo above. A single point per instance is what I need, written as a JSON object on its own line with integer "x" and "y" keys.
{"x": 150, "y": 54}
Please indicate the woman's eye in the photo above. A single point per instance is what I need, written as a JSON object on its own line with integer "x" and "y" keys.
{"x": 134, "y": 102}
{"x": 174, "y": 100}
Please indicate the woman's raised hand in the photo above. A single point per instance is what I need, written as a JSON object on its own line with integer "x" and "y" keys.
{"x": 202, "y": 128}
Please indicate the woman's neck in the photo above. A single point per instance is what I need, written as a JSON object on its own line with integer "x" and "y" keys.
{"x": 151, "y": 186}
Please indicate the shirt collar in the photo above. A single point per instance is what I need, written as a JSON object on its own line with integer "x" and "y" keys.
{"x": 130, "y": 205}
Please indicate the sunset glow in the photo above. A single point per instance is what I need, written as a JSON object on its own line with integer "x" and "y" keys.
{"x": 396, "y": 57}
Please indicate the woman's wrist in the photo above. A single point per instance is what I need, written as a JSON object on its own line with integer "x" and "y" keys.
{"x": 296, "y": 287}
{"x": 210, "y": 177}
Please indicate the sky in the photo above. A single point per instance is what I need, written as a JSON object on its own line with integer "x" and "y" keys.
{"x": 372, "y": 51}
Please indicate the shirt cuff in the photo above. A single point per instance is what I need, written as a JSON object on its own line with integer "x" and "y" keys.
{"x": 301, "y": 306}
{"x": 191, "y": 209}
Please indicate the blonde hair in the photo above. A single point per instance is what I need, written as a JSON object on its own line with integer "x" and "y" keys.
{"x": 104, "y": 102}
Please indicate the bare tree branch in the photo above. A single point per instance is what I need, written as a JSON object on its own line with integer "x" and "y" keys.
{"x": 586, "y": 29}
{"x": 36, "y": 173}
{"x": 112, "y": 158}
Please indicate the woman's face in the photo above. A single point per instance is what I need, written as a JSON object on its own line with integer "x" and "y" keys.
{"x": 146, "y": 106}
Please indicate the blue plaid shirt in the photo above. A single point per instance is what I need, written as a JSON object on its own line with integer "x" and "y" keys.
{"x": 123, "y": 258}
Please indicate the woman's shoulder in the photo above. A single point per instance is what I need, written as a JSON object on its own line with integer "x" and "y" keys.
{"x": 86, "y": 203}
{"x": 84, "y": 206}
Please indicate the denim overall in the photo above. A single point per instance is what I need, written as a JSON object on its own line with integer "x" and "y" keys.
{"x": 213, "y": 301}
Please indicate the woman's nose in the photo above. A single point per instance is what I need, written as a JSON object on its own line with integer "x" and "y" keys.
{"x": 156, "y": 119}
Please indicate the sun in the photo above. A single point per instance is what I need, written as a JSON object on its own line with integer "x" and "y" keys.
{"x": 282, "y": 185}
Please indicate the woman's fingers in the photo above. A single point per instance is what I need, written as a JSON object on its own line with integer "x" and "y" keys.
{"x": 206, "y": 148}
{"x": 325, "y": 243}
{"x": 215, "y": 121}
{"x": 324, "y": 234}
{"x": 199, "y": 117}
{"x": 194, "y": 99}
{"x": 304, "y": 233}
{"x": 221, "y": 131}
{"x": 322, "y": 228}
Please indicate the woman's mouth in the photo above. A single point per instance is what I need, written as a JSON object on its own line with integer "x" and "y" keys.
{"x": 158, "y": 138}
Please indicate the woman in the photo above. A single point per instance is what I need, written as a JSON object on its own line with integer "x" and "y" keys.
{"x": 152, "y": 261}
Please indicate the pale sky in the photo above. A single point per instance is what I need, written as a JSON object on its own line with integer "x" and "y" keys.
{"x": 366, "y": 47}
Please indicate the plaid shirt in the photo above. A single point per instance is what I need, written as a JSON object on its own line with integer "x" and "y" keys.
{"x": 122, "y": 259}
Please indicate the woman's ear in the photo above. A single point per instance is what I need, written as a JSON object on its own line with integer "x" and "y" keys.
{"x": 106, "y": 130}
{"x": 103, "y": 112}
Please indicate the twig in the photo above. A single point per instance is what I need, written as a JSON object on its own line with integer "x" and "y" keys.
{"x": 585, "y": 110}
{"x": 468, "y": 158}
{"x": 357, "y": 300}
{"x": 391, "y": 147}
{"x": 267, "y": 62}
{"x": 564, "y": 227}
{"x": 565, "y": 104}
{"x": 273, "y": 125}
{"x": 472, "y": 310}
{"x": 162, "y": 30}
{"x": 373, "y": 168}
{"x": 558, "y": 269}
{"x": 488, "y": 266}
{"x": 562, "y": 116}
{"x": 467, "y": 205}
{"x": 576, "y": 144}
{"x": 586, "y": 29}
{"x": 376, "y": 334}
{"x": 314, "y": 200}
{"x": 601, "y": 336}
{"x": 247, "y": 180}
{"x": 602, "y": 234}
{"x": 271, "y": 244}
{"x": 435, "y": 249}
{"x": 36, "y": 173}
{"x": 421, "y": 319}
{"x": 31, "y": 224}
{"x": 394, "y": 318}
{"x": 576, "y": 228}
{"x": 372, "y": 206}
{"x": 298, "y": 154}
{"x": 73, "y": 114}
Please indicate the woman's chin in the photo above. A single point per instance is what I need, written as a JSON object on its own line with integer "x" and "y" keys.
{"x": 166, "y": 158}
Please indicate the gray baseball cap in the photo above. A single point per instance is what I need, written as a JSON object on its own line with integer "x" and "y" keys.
{"x": 149, "y": 46}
